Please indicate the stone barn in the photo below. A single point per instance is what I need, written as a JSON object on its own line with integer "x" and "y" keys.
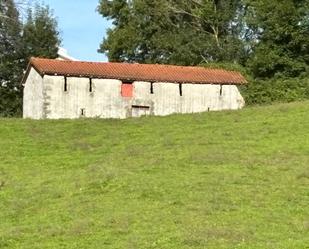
{"x": 55, "y": 89}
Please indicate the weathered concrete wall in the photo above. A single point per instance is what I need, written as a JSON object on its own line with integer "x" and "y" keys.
{"x": 108, "y": 102}
{"x": 199, "y": 98}
{"x": 166, "y": 98}
{"x": 105, "y": 100}
{"x": 33, "y": 100}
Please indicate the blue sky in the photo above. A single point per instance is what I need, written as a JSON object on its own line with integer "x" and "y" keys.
{"x": 82, "y": 28}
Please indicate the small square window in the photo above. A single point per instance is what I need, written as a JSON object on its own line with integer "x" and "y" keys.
{"x": 127, "y": 90}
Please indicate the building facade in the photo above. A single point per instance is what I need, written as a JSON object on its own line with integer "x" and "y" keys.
{"x": 65, "y": 89}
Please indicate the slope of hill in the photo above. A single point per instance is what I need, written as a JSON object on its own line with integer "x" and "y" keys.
{"x": 213, "y": 180}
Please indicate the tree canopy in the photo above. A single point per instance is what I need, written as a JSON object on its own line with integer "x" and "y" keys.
{"x": 272, "y": 34}
{"x": 38, "y": 36}
{"x": 282, "y": 32}
{"x": 174, "y": 32}
{"x": 10, "y": 58}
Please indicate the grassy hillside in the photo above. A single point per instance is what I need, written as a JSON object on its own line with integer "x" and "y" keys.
{"x": 214, "y": 180}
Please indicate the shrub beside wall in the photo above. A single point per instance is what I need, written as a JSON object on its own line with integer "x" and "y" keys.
{"x": 276, "y": 90}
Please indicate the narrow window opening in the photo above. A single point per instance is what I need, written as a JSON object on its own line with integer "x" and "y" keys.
{"x": 140, "y": 106}
{"x": 90, "y": 85}
{"x": 151, "y": 88}
{"x": 221, "y": 90}
{"x": 180, "y": 89}
{"x": 65, "y": 84}
{"x": 82, "y": 112}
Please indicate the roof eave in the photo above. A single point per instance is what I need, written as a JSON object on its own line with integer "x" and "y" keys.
{"x": 136, "y": 79}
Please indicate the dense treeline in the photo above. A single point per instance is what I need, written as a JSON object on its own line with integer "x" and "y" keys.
{"x": 36, "y": 36}
{"x": 267, "y": 39}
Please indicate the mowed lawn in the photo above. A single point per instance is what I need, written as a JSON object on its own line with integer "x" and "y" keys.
{"x": 214, "y": 180}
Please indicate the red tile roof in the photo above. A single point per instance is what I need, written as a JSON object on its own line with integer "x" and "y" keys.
{"x": 136, "y": 72}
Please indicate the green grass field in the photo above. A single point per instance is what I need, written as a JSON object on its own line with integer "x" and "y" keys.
{"x": 214, "y": 180}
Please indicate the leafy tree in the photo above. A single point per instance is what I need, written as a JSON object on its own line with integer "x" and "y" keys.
{"x": 38, "y": 36}
{"x": 171, "y": 31}
{"x": 282, "y": 37}
{"x": 222, "y": 23}
{"x": 10, "y": 61}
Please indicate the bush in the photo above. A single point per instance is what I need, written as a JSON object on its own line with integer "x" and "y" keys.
{"x": 276, "y": 90}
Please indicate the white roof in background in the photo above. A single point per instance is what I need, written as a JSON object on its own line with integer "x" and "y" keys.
{"x": 63, "y": 55}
